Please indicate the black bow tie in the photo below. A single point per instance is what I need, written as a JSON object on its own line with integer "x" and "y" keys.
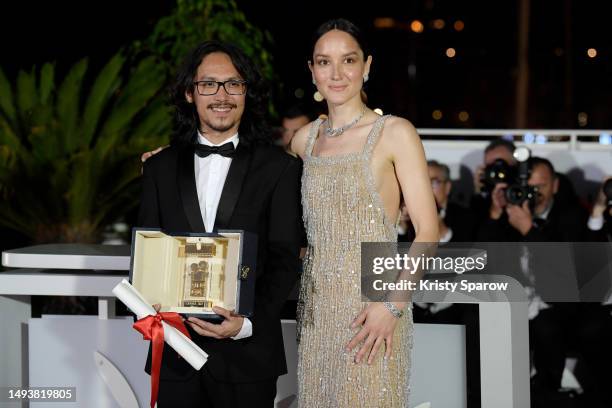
{"x": 225, "y": 150}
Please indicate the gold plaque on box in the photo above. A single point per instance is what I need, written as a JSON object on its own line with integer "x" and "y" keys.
{"x": 204, "y": 272}
{"x": 191, "y": 274}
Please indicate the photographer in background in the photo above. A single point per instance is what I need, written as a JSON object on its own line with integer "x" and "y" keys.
{"x": 498, "y": 153}
{"x": 499, "y": 165}
{"x": 541, "y": 218}
{"x": 554, "y": 328}
{"x": 600, "y": 221}
{"x": 455, "y": 222}
{"x": 293, "y": 119}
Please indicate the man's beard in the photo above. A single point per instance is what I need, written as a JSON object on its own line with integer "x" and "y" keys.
{"x": 218, "y": 128}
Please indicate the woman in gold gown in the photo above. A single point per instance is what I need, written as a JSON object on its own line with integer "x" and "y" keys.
{"x": 357, "y": 167}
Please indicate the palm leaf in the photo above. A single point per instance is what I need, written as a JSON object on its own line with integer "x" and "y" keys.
{"x": 153, "y": 129}
{"x": 8, "y": 136}
{"x": 103, "y": 89}
{"x": 7, "y": 107}
{"x": 68, "y": 102}
{"x": 47, "y": 83}
{"x": 82, "y": 188}
{"x": 145, "y": 82}
{"x": 26, "y": 94}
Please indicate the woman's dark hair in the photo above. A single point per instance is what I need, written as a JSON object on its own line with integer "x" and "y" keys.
{"x": 254, "y": 128}
{"x": 342, "y": 25}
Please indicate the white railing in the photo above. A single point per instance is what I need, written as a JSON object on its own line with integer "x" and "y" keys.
{"x": 575, "y": 138}
{"x": 588, "y": 152}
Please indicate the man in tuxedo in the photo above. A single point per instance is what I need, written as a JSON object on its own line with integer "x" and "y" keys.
{"x": 455, "y": 222}
{"x": 221, "y": 172}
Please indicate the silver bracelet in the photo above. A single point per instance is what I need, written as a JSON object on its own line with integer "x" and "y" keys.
{"x": 393, "y": 309}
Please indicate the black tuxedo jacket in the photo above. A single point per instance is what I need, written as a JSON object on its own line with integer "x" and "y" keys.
{"x": 565, "y": 223}
{"x": 261, "y": 195}
{"x": 461, "y": 220}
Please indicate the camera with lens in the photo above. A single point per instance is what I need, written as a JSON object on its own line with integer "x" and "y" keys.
{"x": 515, "y": 177}
{"x": 497, "y": 172}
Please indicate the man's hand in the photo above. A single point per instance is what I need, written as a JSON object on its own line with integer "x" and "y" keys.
{"x": 377, "y": 327}
{"x": 601, "y": 204}
{"x": 230, "y": 327}
{"x": 519, "y": 216}
{"x": 498, "y": 201}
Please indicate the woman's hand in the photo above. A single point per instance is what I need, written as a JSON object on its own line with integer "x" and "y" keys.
{"x": 145, "y": 156}
{"x": 377, "y": 327}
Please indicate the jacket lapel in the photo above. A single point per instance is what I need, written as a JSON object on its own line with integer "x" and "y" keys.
{"x": 233, "y": 186}
{"x": 188, "y": 191}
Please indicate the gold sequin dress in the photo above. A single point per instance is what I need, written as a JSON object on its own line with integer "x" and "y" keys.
{"x": 342, "y": 209}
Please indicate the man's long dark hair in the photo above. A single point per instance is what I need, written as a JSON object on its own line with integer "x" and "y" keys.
{"x": 253, "y": 129}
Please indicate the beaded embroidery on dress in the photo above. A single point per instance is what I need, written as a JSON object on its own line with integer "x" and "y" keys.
{"x": 342, "y": 209}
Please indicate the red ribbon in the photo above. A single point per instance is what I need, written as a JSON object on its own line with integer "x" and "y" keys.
{"x": 152, "y": 329}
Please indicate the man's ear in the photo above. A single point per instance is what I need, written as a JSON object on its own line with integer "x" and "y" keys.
{"x": 556, "y": 185}
{"x": 189, "y": 96}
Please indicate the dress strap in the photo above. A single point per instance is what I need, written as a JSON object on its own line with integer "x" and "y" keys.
{"x": 312, "y": 136}
{"x": 373, "y": 136}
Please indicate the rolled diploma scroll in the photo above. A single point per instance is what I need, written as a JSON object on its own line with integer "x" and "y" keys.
{"x": 190, "y": 351}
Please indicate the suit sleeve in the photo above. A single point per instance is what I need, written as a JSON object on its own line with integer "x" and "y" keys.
{"x": 148, "y": 214}
{"x": 284, "y": 240}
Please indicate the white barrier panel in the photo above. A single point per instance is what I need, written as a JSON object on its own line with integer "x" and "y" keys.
{"x": 61, "y": 350}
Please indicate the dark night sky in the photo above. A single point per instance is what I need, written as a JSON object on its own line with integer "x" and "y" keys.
{"x": 480, "y": 79}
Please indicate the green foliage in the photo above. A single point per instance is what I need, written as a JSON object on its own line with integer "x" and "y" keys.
{"x": 195, "y": 21}
{"x": 69, "y": 149}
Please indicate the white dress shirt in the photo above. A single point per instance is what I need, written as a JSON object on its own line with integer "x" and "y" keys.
{"x": 210, "y": 174}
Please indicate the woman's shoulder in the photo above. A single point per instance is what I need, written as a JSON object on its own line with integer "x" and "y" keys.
{"x": 300, "y": 140}
{"x": 399, "y": 130}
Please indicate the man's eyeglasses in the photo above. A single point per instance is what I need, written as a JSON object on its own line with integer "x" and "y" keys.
{"x": 231, "y": 86}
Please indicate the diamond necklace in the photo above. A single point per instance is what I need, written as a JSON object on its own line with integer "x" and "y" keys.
{"x": 329, "y": 132}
